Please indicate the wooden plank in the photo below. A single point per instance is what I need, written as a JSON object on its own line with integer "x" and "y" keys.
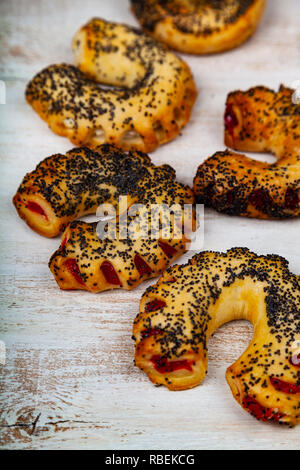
{"x": 69, "y": 380}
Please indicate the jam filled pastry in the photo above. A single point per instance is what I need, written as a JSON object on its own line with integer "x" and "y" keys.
{"x": 149, "y": 100}
{"x": 189, "y": 302}
{"x": 86, "y": 262}
{"x": 199, "y": 26}
{"x": 65, "y": 187}
{"x": 258, "y": 120}
{"x": 159, "y": 212}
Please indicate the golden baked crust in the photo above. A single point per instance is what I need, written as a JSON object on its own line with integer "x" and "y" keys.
{"x": 152, "y": 100}
{"x": 189, "y": 302}
{"x": 86, "y": 262}
{"x": 199, "y": 26}
{"x": 258, "y": 120}
{"x": 69, "y": 186}
{"x": 66, "y": 187}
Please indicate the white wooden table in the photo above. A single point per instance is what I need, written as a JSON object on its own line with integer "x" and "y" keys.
{"x": 69, "y": 379}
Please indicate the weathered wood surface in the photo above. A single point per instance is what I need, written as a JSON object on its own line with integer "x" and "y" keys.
{"x": 69, "y": 379}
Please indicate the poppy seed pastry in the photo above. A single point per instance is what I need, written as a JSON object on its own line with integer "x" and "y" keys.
{"x": 257, "y": 120}
{"x": 85, "y": 262}
{"x": 199, "y": 26}
{"x": 148, "y": 101}
{"x": 63, "y": 188}
{"x": 189, "y": 302}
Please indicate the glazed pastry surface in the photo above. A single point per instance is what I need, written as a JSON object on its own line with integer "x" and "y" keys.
{"x": 258, "y": 120}
{"x": 189, "y": 302}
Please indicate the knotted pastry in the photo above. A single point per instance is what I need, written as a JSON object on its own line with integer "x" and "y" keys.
{"x": 199, "y": 26}
{"x": 151, "y": 101}
{"x": 189, "y": 302}
{"x": 258, "y": 120}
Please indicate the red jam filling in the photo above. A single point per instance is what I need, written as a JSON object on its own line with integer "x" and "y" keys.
{"x": 259, "y": 198}
{"x": 34, "y": 207}
{"x": 155, "y": 305}
{"x": 230, "y": 119}
{"x": 295, "y": 360}
{"x": 230, "y": 197}
{"x": 261, "y": 412}
{"x": 171, "y": 280}
{"x": 110, "y": 274}
{"x": 141, "y": 265}
{"x": 167, "y": 249}
{"x": 73, "y": 268}
{"x": 151, "y": 332}
{"x": 64, "y": 242}
{"x": 285, "y": 387}
{"x": 291, "y": 199}
{"x": 163, "y": 365}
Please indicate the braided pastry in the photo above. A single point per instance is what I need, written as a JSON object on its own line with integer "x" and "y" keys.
{"x": 152, "y": 102}
{"x": 189, "y": 302}
{"x": 258, "y": 120}
{"x": 199, "y": 26}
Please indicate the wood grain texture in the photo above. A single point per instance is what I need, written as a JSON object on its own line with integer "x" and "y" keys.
{"x": 69, "y": 379}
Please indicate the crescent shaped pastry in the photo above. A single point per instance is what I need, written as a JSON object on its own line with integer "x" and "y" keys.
{"x": 258, "y": 120}
{"x": 199, "y": 26}
{"x": 148, "y": 102}
{"x": 189, "y": 302}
